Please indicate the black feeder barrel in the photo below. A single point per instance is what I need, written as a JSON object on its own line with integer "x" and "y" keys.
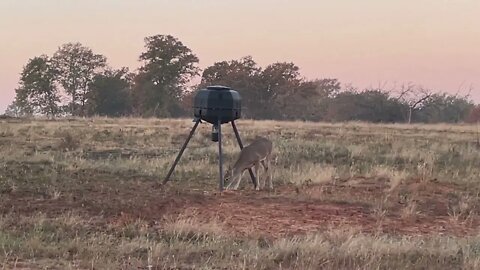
{"x": 217, "y": 102}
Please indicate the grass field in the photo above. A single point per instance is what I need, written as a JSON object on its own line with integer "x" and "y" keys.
{"x": 82, "y": 194}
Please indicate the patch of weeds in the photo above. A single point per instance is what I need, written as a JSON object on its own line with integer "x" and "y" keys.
{"x": 68, "y": 142}
{"x": 7, "y": 185}
{"x": 410, "y": 211}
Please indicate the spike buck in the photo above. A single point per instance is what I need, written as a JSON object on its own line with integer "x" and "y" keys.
{"x": 258, "y": 153}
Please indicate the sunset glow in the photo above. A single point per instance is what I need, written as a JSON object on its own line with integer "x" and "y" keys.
{"x": 434, "y": 43}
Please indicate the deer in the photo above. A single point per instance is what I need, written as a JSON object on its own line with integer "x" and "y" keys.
{"x": 255, "y": 154}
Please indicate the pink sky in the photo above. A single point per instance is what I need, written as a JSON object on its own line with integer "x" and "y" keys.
{"x": 435, "y": 43}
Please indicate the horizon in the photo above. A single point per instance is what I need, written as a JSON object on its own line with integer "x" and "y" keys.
{"x": 432, "y": 43}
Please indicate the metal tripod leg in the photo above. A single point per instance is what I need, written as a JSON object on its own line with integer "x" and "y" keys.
{"x": 181, "y": 151}
{"x": 220, "y": 156}
{"x": 237, "y": 135}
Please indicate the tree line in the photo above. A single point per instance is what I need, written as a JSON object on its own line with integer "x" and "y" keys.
{"x": 75, "y": 81}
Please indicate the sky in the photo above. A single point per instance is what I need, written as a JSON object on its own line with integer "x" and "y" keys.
{"x": 433, "y": 43}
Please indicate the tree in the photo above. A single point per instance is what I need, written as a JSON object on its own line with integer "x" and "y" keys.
{"x": 272, "y": 93}
{"x": 444, "y": 108}
{"x": 13, "y": 110}
{"x": 317, "y": 97}
{"x": 303, "y": 102}
{"x": 168, "y": 65}
{"x": 37, "y": 92}
{"x": 372, "y": 105}
{"x": 280, "y": 81}
{"x": 328, "y": 87}
{"x": 474, "y": 115}
{"x": 414, "y": 97}
{"x": 286, "y": 93}
{"x": 276, "y": 92}
{"x": 21, "y": 103}
{"x": 110, "y": 93}
{"x": 375, "y": 105}
{"x": 242, "y": 75}
{"x": 76, "y": 66}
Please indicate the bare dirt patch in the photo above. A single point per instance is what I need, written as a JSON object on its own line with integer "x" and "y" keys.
{"x": 363, "y": 204}
{"x": 299, "y": 211}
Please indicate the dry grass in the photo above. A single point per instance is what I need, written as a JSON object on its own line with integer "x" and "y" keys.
{"x": 51, "y": 166}
{"x": 65, "y": 242}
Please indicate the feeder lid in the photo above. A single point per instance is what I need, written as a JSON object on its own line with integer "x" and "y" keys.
{"x": 218, "y": 87}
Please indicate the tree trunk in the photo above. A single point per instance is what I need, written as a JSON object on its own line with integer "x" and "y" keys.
{"x": 82, "y": 112}
{"x": 410, "y": 115}
{"x": 72, "y": 106}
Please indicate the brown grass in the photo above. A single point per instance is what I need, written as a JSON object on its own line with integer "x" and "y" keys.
{"x": 79, "y": 194}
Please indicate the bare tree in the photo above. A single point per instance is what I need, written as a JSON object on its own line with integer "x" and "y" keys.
{"x": 414, "y": 97}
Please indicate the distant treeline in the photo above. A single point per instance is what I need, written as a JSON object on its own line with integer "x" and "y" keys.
{"x": 78, "y": 82}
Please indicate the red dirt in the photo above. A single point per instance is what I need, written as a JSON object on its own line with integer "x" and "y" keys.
{"x": 287, "y": 211}
{"x": 247, "y": 213}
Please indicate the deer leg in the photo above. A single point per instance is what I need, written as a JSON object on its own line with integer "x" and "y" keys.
{"x": 269, "y": 172}
{"x": 263, "y": 163}
{"x": 266, "y": 165}
{"x": 238, "y": 180}
{"x": 257, "y": 171}
{"x": 265, "y": 168}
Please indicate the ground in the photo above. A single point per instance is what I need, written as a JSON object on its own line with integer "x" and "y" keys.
{"x": 286, "y": 211}
{"x": 84, "y": 193}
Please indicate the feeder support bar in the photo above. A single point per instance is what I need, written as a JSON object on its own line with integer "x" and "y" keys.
{"x": 220, "y": 156}
{"x": 181, "y": 151}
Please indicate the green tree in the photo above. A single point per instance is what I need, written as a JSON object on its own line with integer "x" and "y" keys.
{"x": 371, "y": 105}
{"x": 444, "y": 108}
{"x": 312, "y": 99}
{"x": 14, "y": 110}
{"x": 21, "y": 104}
{"x": 280, "y": 95}
{"x": 327, "y": 88}
{"x": 168, "y": 65}
{"x": 76, "y": 66}
{"x": 270, "y": 93}
{"x": 242, "y": 75}
{"x": 375, "y": 105}
{"x": 37, "y": 91}
{"x": 110, "y": 93}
